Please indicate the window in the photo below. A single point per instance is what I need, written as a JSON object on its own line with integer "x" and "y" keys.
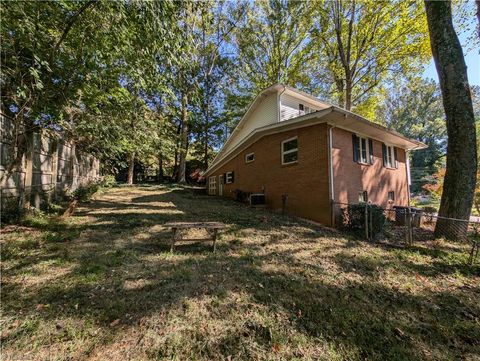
{"x": 250, "y": 157}
{"x": 389, "y": 156}
{"x": 391, "y": 196}
{"x": 363, "y": 197}
{"x": 290, "y": 151}
{"x": 362, "y": 150}
{"x": 229, "y": 177}
{"x": 212, "y": 185}
{"x": 300, "y": 108}
{"x": 307, "y": 110}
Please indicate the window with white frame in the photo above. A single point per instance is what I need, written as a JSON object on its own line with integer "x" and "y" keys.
{"x": 362, "y": 149}
{"x": 250, "y": 157}
{"x": 212, "y": 185}
{"x": 389, "y": 156}
{"x": 229, "y": 177}
{"x": 290, "y": 151}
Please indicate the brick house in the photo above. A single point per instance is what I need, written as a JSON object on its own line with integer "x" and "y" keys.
{"x": 291, "y": 145}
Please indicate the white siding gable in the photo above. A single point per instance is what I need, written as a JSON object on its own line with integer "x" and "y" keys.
{"x": 289, "y": 107}
{"x": 264, "y": 114}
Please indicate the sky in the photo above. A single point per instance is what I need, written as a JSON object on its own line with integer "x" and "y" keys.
{"x": 472, "y": 59}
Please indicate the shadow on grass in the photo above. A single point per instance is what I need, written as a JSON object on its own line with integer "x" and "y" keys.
{"x": 373, "y": 320}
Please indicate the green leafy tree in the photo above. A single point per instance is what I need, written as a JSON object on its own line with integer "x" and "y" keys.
{"x": 414, "y": 108}
{"x": 364, "y": 44}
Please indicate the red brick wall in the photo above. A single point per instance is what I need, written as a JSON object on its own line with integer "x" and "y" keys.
{"x": 305, "y": 183}
{"x": 350, "y": 178}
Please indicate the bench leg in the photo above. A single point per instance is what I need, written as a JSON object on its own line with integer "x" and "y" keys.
{"x": 214, "y": 237}
{"x": 174, "y": 234}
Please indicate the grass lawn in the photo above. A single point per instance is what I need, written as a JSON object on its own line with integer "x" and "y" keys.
{"x": 102, "y": 285}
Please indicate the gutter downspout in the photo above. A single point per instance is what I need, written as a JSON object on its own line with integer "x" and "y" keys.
{"x": 409, "y": 182}
{"x": 330, "y": 171}
{"x": 409, "y": 177}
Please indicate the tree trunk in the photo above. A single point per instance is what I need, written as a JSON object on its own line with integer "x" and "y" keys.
{"x": 160, "y": 167}
{"x": 341, "y": 92}
{"x": 478, "y": 16}
{"x": 131, "y": 165}
{"x": 461, "y": 170}
{"x": 181, "y": 176}
{"x": 348, "y": 94}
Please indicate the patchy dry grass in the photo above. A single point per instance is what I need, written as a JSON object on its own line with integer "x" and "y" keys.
{"x": 102, "y": 285}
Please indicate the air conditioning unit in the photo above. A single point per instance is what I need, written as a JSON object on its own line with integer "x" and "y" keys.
{"x": 257, "y": 199}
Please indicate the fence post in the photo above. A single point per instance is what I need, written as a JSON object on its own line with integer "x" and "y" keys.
{"x": 371, "y": 222}
{"x": 366, "y": 221}
{"x": 408, "y": 223}
{"x": 54, "y": 155}
{"x": 332, "y": 212}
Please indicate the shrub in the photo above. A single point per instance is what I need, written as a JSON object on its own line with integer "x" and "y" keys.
{"x": 11, "y": 212}
{"x": 108, "y": 181}
{"x": 84, "y": 193}
{"x": 241, "y": 196}
{"x": 353, "y": 219}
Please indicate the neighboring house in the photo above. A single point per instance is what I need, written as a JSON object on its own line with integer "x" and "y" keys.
{"x": 292, "y": 145}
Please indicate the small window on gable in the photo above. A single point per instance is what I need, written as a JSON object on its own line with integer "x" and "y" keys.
{"x": 363, "y": 197}
{"x": 391, "y": 196}
{"x": 290, "y": 151}
{"x": 301, "y": 107}
{"x": 229, "y": 178}
{"x": 307, "y": 110}
{"x": 389, "y": 154}
{"x": 250, "y": 157}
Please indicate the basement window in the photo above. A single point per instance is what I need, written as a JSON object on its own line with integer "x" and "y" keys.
{"x": 290, "y": 151}
{"x": 250, "y": 157}
{"x": 363, "y": 197}
{"x": 391, "y": 196}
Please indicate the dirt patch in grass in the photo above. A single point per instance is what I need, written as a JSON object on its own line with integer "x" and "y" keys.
{"x": 102, "y": 285}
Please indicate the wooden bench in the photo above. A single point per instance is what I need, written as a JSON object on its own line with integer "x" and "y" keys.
{"x": 213, "y": 226}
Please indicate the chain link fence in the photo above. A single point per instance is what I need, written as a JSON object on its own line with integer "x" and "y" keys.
{"x": 405, "y": 225}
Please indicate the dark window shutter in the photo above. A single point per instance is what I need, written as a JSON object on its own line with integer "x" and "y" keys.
{"x": 370, "y": 148}
{"x": 356, "y": 147}
{"x": 224, "y": 176}
{"x": 384, "y": 154}
{"x": 233, "y": 176}
{"x": 395, "y": 155}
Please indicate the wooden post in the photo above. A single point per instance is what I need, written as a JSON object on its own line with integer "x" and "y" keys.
{"x": 54, "y": 156}
{"x": 174, "y": 233}
{"x": 214, "y": 236}
{"x": 27, "y": 190}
